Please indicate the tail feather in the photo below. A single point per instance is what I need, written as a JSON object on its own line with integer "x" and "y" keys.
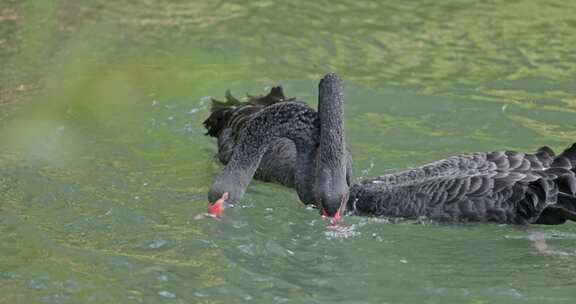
{"x": 230, "y": 102}
{"x": 222, "y": 112}
{"x": 218, "y": 118}
{"x": 276, "y": 95}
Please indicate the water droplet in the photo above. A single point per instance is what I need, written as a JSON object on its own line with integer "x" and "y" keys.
{"x": 157, "y": 243}
{"x": 199, "y": 294}
{"x": 37, "y": 285}
{"x": 166, "y": 294}
{"x": 248, "y": 249}
{"x": 163, "y": 278}
{"x": 188, "y": 127}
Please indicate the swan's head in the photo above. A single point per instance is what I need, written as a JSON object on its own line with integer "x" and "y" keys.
{"x": 332, "y": 192}
{"x": 222, "y": 196}
{"x": 217, "y": 208}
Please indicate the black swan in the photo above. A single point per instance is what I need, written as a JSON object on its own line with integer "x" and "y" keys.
{"x": 503, "y": 186}
{"x": 280, "y": 146}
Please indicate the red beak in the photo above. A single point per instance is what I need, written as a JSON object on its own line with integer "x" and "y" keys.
{"x": 336, "y": 218}
{"x": 217, "y": 208}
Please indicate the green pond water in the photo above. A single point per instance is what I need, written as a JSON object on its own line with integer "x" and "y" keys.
{"x": 104, "y": 165}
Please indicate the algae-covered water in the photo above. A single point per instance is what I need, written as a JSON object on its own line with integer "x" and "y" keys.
{"x": 104, "y": 165}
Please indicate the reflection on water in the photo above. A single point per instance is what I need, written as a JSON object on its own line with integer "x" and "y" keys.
{"x": 103, "y": 162}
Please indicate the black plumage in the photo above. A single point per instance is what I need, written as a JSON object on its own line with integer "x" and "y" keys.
{"x": 280, "y": 134}
{"x": 228, "y": 118}
{"x": 502, "y": 186}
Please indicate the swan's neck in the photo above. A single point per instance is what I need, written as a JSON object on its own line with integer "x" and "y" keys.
{"x": 294, "y": 121}
{"x": 332, "y": 147}
{"x": 331, "y": 184}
